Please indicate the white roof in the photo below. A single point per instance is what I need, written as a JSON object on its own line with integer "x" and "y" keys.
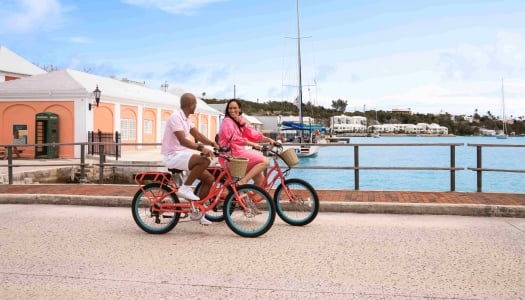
{"x": 251, "y": 119}
{"x": 11, "y": 63}
{"x": 72, "y": 84}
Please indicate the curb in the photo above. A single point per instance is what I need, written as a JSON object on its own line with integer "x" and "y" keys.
{"x": 480, "y": 210}
{"x": 62, "y": 199}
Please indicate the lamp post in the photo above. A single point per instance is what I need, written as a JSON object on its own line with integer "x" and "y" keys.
{"x": 97, "y": 94}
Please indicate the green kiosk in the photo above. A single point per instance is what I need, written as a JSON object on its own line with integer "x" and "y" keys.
{"x": 46, "y": 132}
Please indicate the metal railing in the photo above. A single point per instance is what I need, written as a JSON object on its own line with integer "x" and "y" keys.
{"x": 107, "y": 138}
{"x": 479, "y": 163}
{"x": 356, "y": 167}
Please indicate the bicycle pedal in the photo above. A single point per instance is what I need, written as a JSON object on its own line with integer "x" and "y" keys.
{"x": 195, "y": 214}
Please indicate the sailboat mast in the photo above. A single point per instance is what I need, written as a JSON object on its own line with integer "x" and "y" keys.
{"x": 503, "y": 107}
{"x": 300, "y": 94}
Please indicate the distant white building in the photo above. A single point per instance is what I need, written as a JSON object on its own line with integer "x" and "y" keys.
{"x": 342, "y": 124}
{"x": 420, "y": 128}
{"x": 487, "y": 132}
{"x": 402, "y": 111}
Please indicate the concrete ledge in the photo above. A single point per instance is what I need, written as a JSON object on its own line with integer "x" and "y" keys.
{"x": 483, "y": 210}
{"x": 122, "y": 201}
{"x": 479, "y": 210}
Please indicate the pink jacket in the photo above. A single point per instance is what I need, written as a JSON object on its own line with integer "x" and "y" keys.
{"x": 230, "y": 135}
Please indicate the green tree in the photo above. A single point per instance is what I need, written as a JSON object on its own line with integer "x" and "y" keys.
{"x": 339, "y": 105}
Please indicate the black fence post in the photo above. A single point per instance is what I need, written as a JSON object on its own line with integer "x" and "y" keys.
{"x": 10, "y": 163}
{"x": 117, "y": 145}
{"x": 356, "y": 167}
{"x": 83, "y": 178}
{"x": 99, "y": 140}
{"x": 91, "y": 148}
{"x": 479, "y": 166}
{"x": 102, "y": 160}
{"x": 452, "y": 168}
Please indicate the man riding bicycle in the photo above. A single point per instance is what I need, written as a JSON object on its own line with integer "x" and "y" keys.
{"x": 177, "y": 145}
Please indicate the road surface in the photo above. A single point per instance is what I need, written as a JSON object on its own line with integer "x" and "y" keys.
{"x": 87, "y": 252}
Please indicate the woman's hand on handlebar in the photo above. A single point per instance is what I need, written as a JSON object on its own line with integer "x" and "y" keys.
{"x": 270, "y": 141}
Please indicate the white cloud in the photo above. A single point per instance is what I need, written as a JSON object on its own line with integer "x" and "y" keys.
{"x": 185, "y": 7}
{"x": 31, "y": 15}
{"x": 79, "y": 40}
{"x": 504, "y": 57}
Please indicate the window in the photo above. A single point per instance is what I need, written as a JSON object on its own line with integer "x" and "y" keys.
{"x": 148, "y": 126}
{"x": 128, "y": 129}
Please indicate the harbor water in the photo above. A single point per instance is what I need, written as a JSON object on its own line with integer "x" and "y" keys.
{"x": 417, "y": 156}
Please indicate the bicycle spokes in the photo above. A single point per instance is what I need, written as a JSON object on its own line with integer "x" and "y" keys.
{"x": 296, "y": 202}
{"x": 150, "y": 214}
{"x": 249, "y": 211}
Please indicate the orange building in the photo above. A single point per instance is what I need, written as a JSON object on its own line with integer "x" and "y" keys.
{"x": 60, "y": 107}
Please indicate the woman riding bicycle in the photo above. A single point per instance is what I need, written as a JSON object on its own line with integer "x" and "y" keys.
{"x": 237, "y": 134}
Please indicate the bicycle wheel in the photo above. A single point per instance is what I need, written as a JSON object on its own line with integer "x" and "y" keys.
{"x": 216, "y": 214}
{"x": 301, "y": 207}
{"x": 146, "y": 218}
{"x": 257, "y": 218}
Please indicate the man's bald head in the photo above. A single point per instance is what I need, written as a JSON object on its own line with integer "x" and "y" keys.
{"x": 187, "y": 99}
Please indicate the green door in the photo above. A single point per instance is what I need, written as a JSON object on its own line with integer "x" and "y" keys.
{"x": 46, "y": 131}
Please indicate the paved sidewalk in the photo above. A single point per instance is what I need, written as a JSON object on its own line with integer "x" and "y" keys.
{"x": 402, "y": 202}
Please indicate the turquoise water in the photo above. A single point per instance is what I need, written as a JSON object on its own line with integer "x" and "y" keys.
{"x": 403, "y": 156}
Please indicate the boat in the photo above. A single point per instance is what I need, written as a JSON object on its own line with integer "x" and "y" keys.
{"x": 503, "y": 133}
{"x": 376, "y": 134}
{"x": 307, "y": 135}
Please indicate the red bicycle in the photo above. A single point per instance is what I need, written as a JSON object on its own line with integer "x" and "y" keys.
{"x": 296, "y": 201}
{"x": 156, "y": 208}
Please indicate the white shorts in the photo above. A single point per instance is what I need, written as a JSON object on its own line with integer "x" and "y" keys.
{"x": 178, "y": 160}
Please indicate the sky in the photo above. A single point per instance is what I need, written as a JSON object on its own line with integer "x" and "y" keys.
{"x": 430, "y": 56}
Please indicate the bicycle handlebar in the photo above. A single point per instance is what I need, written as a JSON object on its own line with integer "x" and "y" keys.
{"x": 268, "y": 148}
{"x": 219, "y": 152}
{"x": 265, "y": 149}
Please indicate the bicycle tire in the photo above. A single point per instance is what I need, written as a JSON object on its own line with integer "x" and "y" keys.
{"x": 257, "y": 219}
{"x": 301, "y": 210}
{"x": 149, "y": 220}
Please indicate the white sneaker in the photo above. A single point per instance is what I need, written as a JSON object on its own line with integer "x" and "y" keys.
{"x": 205, "y": 221}
{"x": 202, "y": 219}
{"x": 186, "y": 192}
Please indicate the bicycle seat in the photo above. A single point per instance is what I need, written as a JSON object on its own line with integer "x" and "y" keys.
{"x": 175, "y": 171}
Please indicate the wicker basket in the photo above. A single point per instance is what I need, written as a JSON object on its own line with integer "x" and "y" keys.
{"x": 238, "y": 166}
{"x": 289, "y": 157}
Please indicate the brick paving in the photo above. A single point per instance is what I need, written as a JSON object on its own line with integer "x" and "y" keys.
{"x": 324, "y": 195}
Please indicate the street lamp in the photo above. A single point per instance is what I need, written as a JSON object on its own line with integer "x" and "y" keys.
{"x": 97, "y": 94}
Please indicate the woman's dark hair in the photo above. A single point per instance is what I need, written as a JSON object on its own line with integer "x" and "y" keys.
{"x": 227, "y": 113}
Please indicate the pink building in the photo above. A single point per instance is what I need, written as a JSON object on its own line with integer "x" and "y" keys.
{"x": 66, "y": 99}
